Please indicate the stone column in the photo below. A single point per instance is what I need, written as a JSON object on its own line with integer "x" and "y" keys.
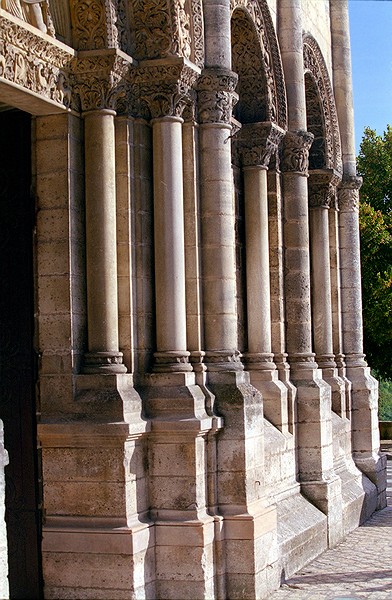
{"x": 365, "y": 431}
{"x": 314, "y": 430}
{"x": 258, "y": 142}
{"x": 322, "y": 189}
{"x": 101, "y": 251}
{"x": 249, "y": 525}
{"x": 180, "y": 424}
{"x": 365, "y": 434}
{"x": 94, "y": 445}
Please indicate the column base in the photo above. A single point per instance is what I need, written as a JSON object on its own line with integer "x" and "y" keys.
{"x": 179, "y": 485}
{"x": 327, "y": 497}
{"x": 84, "y": 558}
{"x": 103, "y": 362}
{"x": 338, "y": 388}
{"x": 365, "y": 429}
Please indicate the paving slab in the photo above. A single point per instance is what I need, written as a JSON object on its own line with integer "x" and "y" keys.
{"x": 360, "y": 567}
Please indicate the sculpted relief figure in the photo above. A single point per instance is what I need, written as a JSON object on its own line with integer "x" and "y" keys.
{"x": 35, "y": 12}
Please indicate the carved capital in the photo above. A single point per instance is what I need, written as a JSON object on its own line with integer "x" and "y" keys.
{"x": 102, "y": 80}
{"x": 349, "y": 194}
{"x": 258, "y": 142}
{"x": 296, "y": 151}
{"x": 322, "y": 188}
{"x": 216, "y": 95}
{"x": 164, "y": 88}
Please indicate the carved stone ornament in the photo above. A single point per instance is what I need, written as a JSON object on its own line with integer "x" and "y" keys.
{"x": 314, "y": 64}
{"x": 163, "y": 28}
{"x": 34, "y": 12}
{"x": 223, "y": 360}
{"x": 102, "y": 80}
{"x": 166, "y": 362}
{"x": 32, "y": 62}
{"x": 296, "y": 151}
{"x": 348, "y": 194}
{"x": 216, "y": 95}
{"x": 94, "y": 24}
{"x": 275, "y": 102}
{"x": 322, "y": 188}
{"x": 258, "y": 142}
{"x": 163, "y": 88}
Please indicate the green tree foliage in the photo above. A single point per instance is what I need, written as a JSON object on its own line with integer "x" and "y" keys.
{"x": 385, "y": 401}
{"x": 375, "y": 218}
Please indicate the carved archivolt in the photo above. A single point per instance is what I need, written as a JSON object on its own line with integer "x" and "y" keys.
{"x": 320, "y": 99}
{"x": 161, "y": 28}
{"x": 268, "y": 53}
{"x": 32, "y": 62}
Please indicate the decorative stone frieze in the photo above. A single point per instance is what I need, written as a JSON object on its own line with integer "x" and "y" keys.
{"x": 349, "y": 194}
{"x": 322, "y": 188}
{"x": 216, "y": 95}
{"x": 314, "y": 64}
{"x": 258, "y": 142}
{"x": 167, "y": 28}
{"x": 32, "y": 62}
{"x": 296, "y": 151}
{"x": 164, "y": 88}
{"x": 101, "y": 80}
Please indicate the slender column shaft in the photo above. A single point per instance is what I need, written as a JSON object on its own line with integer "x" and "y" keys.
{"x": 257, "y": 259}
{"x": 220, "y": 314}
{"x": 321, "y": 282}
{"x": 169, "y": 236}
{"x": 102, "y": 304}
{"x": 217, "y": 33}
{"x": 342, "y": 82}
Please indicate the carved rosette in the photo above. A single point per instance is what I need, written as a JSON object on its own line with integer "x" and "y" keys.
{"x": 348, "y": 194}
{"x": 314, "y": 64}
{"x": 101, "y": 81}
{"x": 164, "y": 88}
{"x": 258, "y": 142}
{"x": 296, "y": 151}
{"x": 34, "y": 63}
{"x": 322, "y": 188}
{"x": 216, "y": 95}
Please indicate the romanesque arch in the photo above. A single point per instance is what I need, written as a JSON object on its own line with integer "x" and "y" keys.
{"x": 269, "y": 55}
{"x": 321, "y": 109}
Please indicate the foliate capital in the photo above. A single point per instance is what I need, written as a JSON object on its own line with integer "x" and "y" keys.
{"x": 164, "y": 88}
{"x": 349, "y": 194}
{"x": 296, "y": 151}
{"x": 258, "y": 142}
{"x": 101, "y": 80}
{"x": 216, "y": 95}
{"x": 322, "y": 188}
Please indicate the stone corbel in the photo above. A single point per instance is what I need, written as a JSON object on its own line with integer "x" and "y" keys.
{"x": 296, "y": 152}
{"x": 102, "y": 80}
{"x": 349, "y": 194}
{"x": 258, "y": 142}
{"x": 165, "y": 87}
{"x": 322, "y": 188}
{"x": 216, "y": 95}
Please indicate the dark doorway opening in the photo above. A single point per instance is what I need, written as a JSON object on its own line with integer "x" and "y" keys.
{"x": 17, "y": 357}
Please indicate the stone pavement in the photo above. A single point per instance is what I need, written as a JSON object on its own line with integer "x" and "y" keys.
{"x": 360, "y": 567}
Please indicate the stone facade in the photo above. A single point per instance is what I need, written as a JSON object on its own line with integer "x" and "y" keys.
{"x": 207, "y": 423}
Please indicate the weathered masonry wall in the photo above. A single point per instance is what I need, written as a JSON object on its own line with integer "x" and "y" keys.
{"x": 207, "y": 421}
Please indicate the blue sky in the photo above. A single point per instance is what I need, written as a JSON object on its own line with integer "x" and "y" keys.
{"x": 371, "y": 52}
